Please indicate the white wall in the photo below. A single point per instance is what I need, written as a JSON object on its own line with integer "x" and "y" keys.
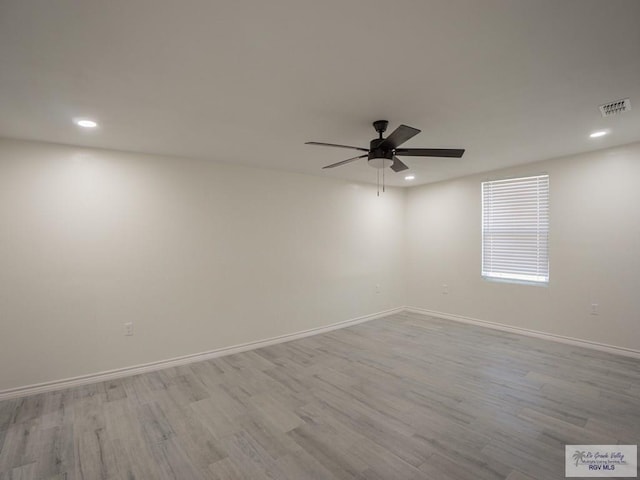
{"x": 199, "y": 255}
{"x": 594, "y": 250}
{"x": 202, "y": 255}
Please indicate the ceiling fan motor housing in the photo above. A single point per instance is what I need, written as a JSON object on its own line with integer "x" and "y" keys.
{"x": 379, "y": 157}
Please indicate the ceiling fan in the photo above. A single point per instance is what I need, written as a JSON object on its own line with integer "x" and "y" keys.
{"x": 382, "y": 152}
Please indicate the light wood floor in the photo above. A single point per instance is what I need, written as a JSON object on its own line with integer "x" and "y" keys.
{"x": 404, "y": 397}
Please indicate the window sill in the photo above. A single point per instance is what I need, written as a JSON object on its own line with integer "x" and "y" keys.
{"x": 516, "y": 282}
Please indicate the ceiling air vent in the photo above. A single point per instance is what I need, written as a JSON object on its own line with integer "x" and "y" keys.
{"x": 616, "y": 107}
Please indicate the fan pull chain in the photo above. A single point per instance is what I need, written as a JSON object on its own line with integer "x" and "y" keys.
{"x": 378, "y": 184}
{"x": 383, "y": 169}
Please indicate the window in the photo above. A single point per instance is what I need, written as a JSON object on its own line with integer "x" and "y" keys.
{"x": 515, "y": 229}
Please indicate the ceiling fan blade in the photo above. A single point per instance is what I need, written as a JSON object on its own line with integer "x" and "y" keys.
{"x": 336, "y": 145}
{"x": 397, "y": 165}
{"x": 399, "y": 136}
{"x": 431, "y": 152}
{"x": 344, "y": 162}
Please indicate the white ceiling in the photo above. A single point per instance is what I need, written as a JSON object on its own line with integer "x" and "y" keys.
{"x": 249, "y": 81}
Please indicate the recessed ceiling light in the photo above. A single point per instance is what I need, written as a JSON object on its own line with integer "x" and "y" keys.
{"x": 600, "y": 133}
{"x": 409, "y": 177}
{"x": 84, "y": 123}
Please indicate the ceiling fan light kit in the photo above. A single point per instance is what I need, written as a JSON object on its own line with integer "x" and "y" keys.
{"x": 382, "y": 152}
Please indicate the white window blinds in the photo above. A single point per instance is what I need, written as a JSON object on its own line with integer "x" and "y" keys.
{"x": 515, "y": 229}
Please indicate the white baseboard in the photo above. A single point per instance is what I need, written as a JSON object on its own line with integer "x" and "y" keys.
{"x": 603, "y": 347}
{"x": 198, "y": 357}
{"x": 183, "y": 360}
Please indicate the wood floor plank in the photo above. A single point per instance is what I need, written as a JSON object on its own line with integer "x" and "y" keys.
{"x": 443, "y": 467}
{"x": 403, "y": 397}
{"x": 226, "y": 469}
{"x": 516, "y": 475}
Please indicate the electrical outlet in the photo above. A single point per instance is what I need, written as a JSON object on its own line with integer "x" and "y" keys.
{"x": 377, "y": 288}
{"x": 128, "y": 329}
{"x": 445, "y": 289}
{"x": 595, "y": 309}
